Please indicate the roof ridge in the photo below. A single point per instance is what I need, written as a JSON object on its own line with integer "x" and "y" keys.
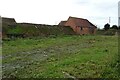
{"x": 7, "y": 18}
{"x": 77, "y": 18}
{"x": 63, "y": 21}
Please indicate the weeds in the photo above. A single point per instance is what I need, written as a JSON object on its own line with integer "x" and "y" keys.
{"x": 74, "y": 56}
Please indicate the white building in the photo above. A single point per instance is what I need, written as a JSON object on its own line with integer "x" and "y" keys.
{"x": 119, "y": 13}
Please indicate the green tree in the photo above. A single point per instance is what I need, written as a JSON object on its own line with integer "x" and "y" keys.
{"x": 107, "y": 26}
{"x": 114, "y": 27}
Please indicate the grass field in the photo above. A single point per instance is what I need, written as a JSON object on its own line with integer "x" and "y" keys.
{"x": 61, "y": 57}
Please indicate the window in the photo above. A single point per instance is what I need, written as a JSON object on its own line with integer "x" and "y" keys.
{"x": 81, "y": 28}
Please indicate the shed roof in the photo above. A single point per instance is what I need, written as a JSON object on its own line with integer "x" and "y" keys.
{"x": 8, "y": 19}
{"x": 62, "y": 23}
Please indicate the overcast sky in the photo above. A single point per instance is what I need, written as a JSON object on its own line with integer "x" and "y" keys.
{"x": 53, "y": 11}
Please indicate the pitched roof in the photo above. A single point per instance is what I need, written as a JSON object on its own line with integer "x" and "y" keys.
{"x": 81, "y": 22}
{"x": 62, "y": 23}
{"x": 8, "y": 20}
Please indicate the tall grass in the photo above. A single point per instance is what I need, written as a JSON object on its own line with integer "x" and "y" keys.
{"x": 61, "y": 57}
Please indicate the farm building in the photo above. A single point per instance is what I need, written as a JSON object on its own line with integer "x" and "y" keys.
{"x": 12, "y": 29}
{"x": 79, "y": 25}
{"x": 6, "y": 24}
{"x": 8, "y": 21}
{"x": 62, "y": 23}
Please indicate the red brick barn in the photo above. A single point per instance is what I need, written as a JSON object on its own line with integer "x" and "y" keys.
{"x": 79, "y": 25}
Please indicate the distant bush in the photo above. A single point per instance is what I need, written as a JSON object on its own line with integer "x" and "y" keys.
{"x": 114, "y": 27}
{"x": 110, "y": 32}
{"x": 106, "y": 32}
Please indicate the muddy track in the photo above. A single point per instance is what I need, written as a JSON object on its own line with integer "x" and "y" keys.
{"x": 21, "y": 60}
